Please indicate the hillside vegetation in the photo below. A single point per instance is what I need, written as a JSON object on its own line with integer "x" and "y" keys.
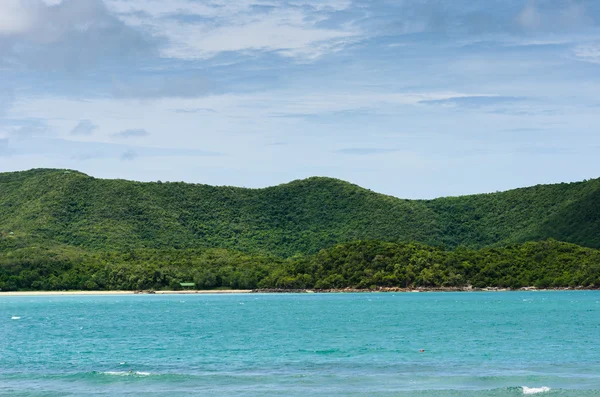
{"x": 360, "y": 264}
{"x": 67, "y": 208}
{"x": 62, "y": 229}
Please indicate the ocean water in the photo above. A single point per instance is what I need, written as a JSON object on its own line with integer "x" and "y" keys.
{"x": 475, "y": 344}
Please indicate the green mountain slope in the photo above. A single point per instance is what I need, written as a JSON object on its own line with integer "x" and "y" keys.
{"x": 566, "y": 211}
{"x": 66, "y": 207}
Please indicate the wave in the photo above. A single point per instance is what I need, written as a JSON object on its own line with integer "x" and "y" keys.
{"x": 215, "y": 384}
{"x": 125, "y": 373}
{"x": 320, "y": 351}
{"x": 535, "y": 390}
{"x": 514, "y": 391}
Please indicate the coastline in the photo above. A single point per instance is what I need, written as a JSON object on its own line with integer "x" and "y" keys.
{"x": 286, "y": 291}
{"x": 183, "y": 292}
{"x": 420, "y": 289}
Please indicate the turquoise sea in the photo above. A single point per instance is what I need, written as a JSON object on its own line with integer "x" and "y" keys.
{"x": 475, "y": 344}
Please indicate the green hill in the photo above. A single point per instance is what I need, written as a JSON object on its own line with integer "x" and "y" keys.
{"x": 46, "y": 207}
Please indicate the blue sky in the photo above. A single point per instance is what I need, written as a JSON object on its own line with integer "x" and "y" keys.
{"x": 414, "y": 98}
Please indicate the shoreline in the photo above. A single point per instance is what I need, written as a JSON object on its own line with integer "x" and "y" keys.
{"x": 83, "y": 293}
{"x": 284, "y": 291}
{"x": 420, "y": 289}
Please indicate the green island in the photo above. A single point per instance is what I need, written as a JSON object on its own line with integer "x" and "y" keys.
{"x": 64, "y": 230}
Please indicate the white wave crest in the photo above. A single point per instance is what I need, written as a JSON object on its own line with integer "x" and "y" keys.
{"x": 535, "y": 390}
{"x": 126, "y": 373}
{"x": 116, "y": 373}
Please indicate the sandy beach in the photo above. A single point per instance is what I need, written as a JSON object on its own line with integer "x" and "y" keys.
{"x": 183, "y": 292}
{"x": 285, "y": 291}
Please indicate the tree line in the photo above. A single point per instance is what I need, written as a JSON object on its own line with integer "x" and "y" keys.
{"x": 360, "y": 264}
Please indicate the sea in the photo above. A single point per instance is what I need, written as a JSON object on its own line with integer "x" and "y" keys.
{"x": 545, "y": 343}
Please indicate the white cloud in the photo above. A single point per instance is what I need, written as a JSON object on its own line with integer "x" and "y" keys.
{"x": 132, "y": 133}
{"x": 246, "y": 119}
{"x": 84, "y": 127}
{"x": 266, "y": 104}
{"x": 530, "y": 18}
{"x": 235, "y": 26}
{"x": 214, "y": 8}
{"x": 588, "y": 53}
{"x": 15, "y": 17}
{"x": 571, "y": 17}
{"x": 280, "y": 32}
{"x": 66, "y": 35}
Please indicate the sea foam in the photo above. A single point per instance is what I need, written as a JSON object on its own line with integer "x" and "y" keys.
{"x": 126, "y": 373}
{"x": 535, "y": 390}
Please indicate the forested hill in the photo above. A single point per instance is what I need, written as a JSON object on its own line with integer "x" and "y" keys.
{"x": 67, "y": 207}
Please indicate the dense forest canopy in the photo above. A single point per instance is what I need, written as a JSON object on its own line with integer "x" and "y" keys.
{"x": 360, "y": 264}
{"x": 303, "y": 216}
{"x": 62, "y": 229}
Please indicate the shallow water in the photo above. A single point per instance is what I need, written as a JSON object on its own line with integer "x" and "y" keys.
{"x": 476, "y": 344}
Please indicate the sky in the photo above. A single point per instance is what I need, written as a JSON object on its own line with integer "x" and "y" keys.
{"x": 411, "y": 98}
